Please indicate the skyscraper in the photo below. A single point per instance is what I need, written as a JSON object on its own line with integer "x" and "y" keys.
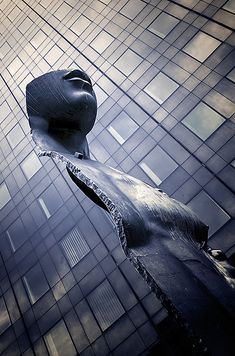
{"x": 163, "y": 73}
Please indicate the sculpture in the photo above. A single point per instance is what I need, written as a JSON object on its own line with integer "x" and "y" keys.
{"x": 162, "y": 237}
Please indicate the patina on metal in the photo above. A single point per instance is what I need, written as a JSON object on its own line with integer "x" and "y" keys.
{"x": 163, "y": 238}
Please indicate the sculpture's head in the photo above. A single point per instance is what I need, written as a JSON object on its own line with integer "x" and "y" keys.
{"x": 62, "y": 108}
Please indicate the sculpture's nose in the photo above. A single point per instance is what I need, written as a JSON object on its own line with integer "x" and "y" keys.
{"x": 77, "y": 75}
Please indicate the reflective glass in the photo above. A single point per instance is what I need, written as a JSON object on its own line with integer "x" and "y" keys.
{"x": 132, "y": 8}
{"x": 122, "y": 127}
{"x": 128, "y": 62}
{"x": 231, "y": 75}
{"x": 230, "y": 6}
{"x": 4, "y": 195}
{"x": 4, "y": 317}
{"x": 35, "y": 283}
{"x": 74, "y": 247}
{"x": 59, "y": 342}
{"x": 161, "y": 87}
{"x": 105, "y": 305}
{"x": 201, "y": 46}
{"x": 50, "y": 201}
{"x": 15, "y": 65}
{"x": 15, "y": 136}
{"x": 209, "y": 212}
{"x": 62, "y": 11}
{"x": 31, "y": 165}
{"x": 80, "y": 25}
{"x": 5, "y": 111}
{"x": 158, "y": 165}
{"x": 163, "y": 24}
{"x": 16, "y": 234}
{"x": 102, "y": 41}
{"x": 203, "y": 120}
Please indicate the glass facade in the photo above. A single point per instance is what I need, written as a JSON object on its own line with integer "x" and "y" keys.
{"x": 163, "y": 73}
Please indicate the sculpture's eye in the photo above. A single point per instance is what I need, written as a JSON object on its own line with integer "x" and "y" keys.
{"x": 77, "y": 75}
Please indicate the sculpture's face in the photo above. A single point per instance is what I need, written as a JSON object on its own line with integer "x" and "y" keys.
{"x": 65, "y": 99}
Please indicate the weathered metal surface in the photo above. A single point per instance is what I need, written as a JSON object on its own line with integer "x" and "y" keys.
{"x": 162, "y": 237}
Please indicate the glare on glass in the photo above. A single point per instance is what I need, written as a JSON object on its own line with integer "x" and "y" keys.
{"x": 50, "y": 201}
{"x": 4, "y": 195}
{"x": 158, "y": 165}
{"x": 163, "y": 24}
{"x": 35, "y": 283}
{"x": 122, "y": 127}
{"x": 31, "y": 165}
{"x": 58, "y": 341}
{"x": 203, "y": 121}
{"x": 201, "y": 46}
{"x": 161, "y": 87}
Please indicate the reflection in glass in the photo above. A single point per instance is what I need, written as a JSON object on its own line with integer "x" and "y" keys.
{"x": 35, "y": 283}
{"x": 4, "y": 195}
{"x": 4, "y": 317}
{"x": 231, "y": 75}
{"x": 50, "y": 201}
{"x": 201, "y": 46}
{"x": 15, "y": 136}
{"x": 128, "y": 62}
{"x": 16, "y": 234}
{"x": 158, "y": 165}
{"x": 102, "y": 41}
{"x": 161, "y": 87}
{"x": 163, "y": 24}
{"x": 230, "y": 6}
{"x": 203, "y": 120}
{"x": 122, "y": 127}
{"x": 31, "y": 165}
{"x": 207, "y": 209}
{"x": 105, "y": 305}
{"x": 59, "y": 342}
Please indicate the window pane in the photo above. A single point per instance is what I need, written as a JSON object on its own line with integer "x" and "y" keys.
{"x": 31, "y": 165}
{"x": 122, "y": 127}
{"x": 203, "y": 121}
{"x": 230, "y": 6}
{"x": 207, "y": 209}
{"x": 50, "y": 201}
{"x": 4, "y": 317}
{"x": 158, "y": 165}
{"x": 4, "y": 195}
{"x": 102, "y": 41}
{"x": 161, "y": 87}
{"x": 59, "y": 342}
{"x": 201, "y": 46}
{"x": 105, "y": 305}
{"x": 16, "y": 234}
{"x": 15, "y": 136}
{"x": 163, "y": 24}
{"x": 132, "y": 8}
{"x": 35, "y": 283}
{"x": 74, "y": 246}
{"x": 128, "y": 62}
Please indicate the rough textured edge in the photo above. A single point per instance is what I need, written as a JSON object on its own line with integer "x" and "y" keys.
{"x": 196, "y": 341}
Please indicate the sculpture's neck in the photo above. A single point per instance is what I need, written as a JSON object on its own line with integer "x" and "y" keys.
{"x": 64, "y": 142}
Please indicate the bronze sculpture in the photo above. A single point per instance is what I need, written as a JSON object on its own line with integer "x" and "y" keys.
{"x": 162, "y": 237}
